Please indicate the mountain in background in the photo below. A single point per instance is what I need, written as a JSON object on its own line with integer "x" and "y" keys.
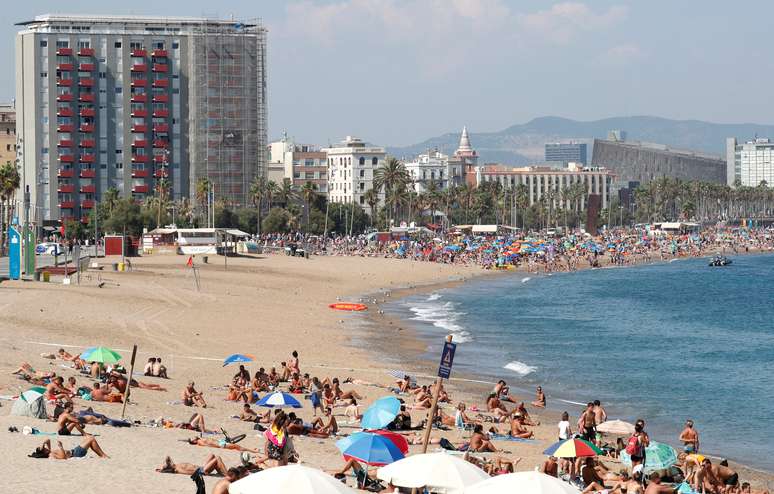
{"x": 524, "y": 144}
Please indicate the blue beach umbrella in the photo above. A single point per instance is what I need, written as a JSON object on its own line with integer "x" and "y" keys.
{"x": 279, "y": 399}
{"x": 380, "y": 413}
{"x": 237, "y": 358}
{"x": 369, "y": 448}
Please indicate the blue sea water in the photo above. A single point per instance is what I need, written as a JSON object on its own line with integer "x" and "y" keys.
{"x": 665, "y": 342}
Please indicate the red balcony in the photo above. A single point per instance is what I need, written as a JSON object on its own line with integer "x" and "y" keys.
{"x": 139, "y": 67}
{"x": 87, "y": 204}
{"x": 161, "y": 127}
{"x": 88, "y": 112}
{"x": 140, "y": 189}
{"x": 87, "y": 128}
{"x": 139, "y": 173}
{"x": 65, "y": 173}
{"x": 88, "y": 189}
{"x": 160, "y": 143}
{"x": 87, "y": 97}
{"x": 139, "y": 53}
{"x": 161, "y": 173}
{"x": 88, "y": 158}
{"x": 160, "y": 67}
{"x": 161, "y": 113}
{"x": 67, "y": 205}
{"x": 139, "y": 82}
{"x": 140, "y": 143}
{"x": 161, "y": 83}
{"x": 65, "y": 143}
{"x": 161, "y": 98}
{"x": 139, "y": 98}
{"x": 64, "y": 112}
{"x": 88, "y": 173}
{"x": 159, "y": 158}
{"x": 64, "y": 67}
{"x": 65, "y": 97}
{"x": 140, "y": 158}
{"x": 87, "y": 143}
{"x": 139, "y": 128}
{"x": 86, "y": 82}
{"x": 139, "y": 113}
{"x": 86, "y": 52}
{"x": 65, "y": 128}
{"x": 85, "y": 67}
{"x": 159, "y": 53}
{"x": 65, "y": 52}
{"x": 67, "y": 158}
{"x": 64, "y": 82}
{"x": 66, "y": 188}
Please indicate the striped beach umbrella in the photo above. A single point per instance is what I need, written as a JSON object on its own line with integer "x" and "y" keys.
{"x": 279, "y": 399}
{"x": 658, "y": 456}
{"x": 237, "y": 358}
{"x": 572, "y": 448}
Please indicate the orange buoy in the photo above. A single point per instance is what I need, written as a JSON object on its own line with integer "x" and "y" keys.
{"x": 349, "y": 307}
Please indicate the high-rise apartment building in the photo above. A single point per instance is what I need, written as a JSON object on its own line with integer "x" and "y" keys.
{"x": 751, "y": 162}
{"x": 351, "y": 167}
{"x": 138, "y": 104}
{"x": 566, "y": 152}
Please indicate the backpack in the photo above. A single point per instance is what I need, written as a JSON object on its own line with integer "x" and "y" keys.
{"x": 633, "y": 447}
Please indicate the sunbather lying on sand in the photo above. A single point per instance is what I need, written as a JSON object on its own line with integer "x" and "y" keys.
{"x": 211, "y": 464}
{"x": 119, "y": 381}
{"x": 88, "y": 443}
{"x": 212, "y": 443}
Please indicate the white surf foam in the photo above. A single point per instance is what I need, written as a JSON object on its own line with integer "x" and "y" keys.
{"x": 433, "y": 297}
{"x": 442, "y": 315}
{"x": 524, "y": 280}
{"x": 520, "y": 368}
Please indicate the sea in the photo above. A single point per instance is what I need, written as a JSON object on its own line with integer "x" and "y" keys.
{"x": 664, "y": 342}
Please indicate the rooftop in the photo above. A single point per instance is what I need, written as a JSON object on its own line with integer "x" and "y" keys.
{"x": 129, "y": 19}
{"x": 661, "y": 148}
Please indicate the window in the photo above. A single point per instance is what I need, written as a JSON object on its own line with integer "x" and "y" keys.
{"x": 119, "y": 166}
{"x": 44, "y": 74}
{"x": 158, "y": 45}
{"x": 362, "y": 161}
{"x": 135, "y": 45}
{"x": 63, "y": 43}
{"x": 175, "y": 45}
{"x": 119, "y": 90}
{"x": 119, "y": 151}
{"x": 118, "y": 44}
{"x": 362, "y": 173}
{"x": 43, "y": 43}
{"x": 102, "y": 75}
{"x": 84, "y": 44}
{"x": 374, "y": 160}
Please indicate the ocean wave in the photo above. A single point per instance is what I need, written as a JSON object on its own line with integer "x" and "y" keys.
{"x": 442, "y": 316}
{"x": 433, "y": 297}
{"x": 520, "y": 368}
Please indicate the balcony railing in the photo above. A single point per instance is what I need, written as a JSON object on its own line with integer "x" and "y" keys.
{"x": 159, "y": 158}
{"x": 64, "y": 82}
{"x": 67, "y": 205}
{"x": 140, "y": 189}
{"x": 161, "y": 98}
{"x": 64, "y": 67}
{"x": 88, "y": 173}
{"x": 139, "y": 52}
{"x": 161, "y": 127}
{"x": 160, "y": 67}
{"x": 140, "y": 143}
{"x": 64, "y": 52}
{"x": 161, "y": 83}
{"x": 85, "y": 67}
{"x": 87, "y": 204}
{"x": 88, "y": 158}
{"x": 88, "y": 112}
{"x": 88, "y": 189}
{"x": 65, "y": 143}
{"x": 161, "y": 113}
{"x": 140, "y": 158}
{"x": 139, "y": 113}
{"x": 160, "y": 143}
{"x": 159, "y": 53}
{"x": 139, "y": 98}
{"x": 86, "y": 52}
{"x": 67, "y": 158}
{"x": 161, "y": 173}
{"x": 139, "y": 67}
{"x": 87, "y": 143}
{"x": 86, "y": 82}
{"x": 139, "y": 173}
{"x": 139, "y": 82}
{"x": 64, "y": 112}
{"x": 66, "y": 97}
{"x": 139, "y": 128}
{"x": 87, "y": 97}
{"x": 65, "y": 173}
{"x": 87, "y": 128}
{"x": 65, "y": 188}
{"x": 65, "y": 128}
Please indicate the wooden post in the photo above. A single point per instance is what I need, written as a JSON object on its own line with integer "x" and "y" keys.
{"x": 433, "y": 408}
{"x": 128, "y": 381}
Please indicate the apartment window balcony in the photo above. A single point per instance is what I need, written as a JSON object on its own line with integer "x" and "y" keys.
{"x": 86, "y": 52}
{"x": 160, "y": 67}
{"x": 139, "y": 67}
{"x": 140, "y": 158}
{"x": 86, "y": 82}
{"x": 65, "y": 128}
{"x": 86, "y": 67}
{"x": 67, "y": 205}
{"x": 139, "y": 113}
{"x": 88, "y": 158}
{"x": 64, "y": 82}
{"x": 88, "y": 173}
{"x": 139, "y": 82}
{"x": 140, "y": 53}
{"x": 140, "y": 189}
{"x": 161, "y": 113}
{"x": 65, "y": 143}
{"x": 161, "y": 83}
{"x": 159, "y": 158}
{"x": 87, "y": 97}
{"x": 161, "y": 98}
{"x": 139, "y": 128}
{"x": 160, "y": 143}
{"x": 65, "y": 188}
{"x": 87, "y": 143}
{"x": 64, "y": 67}
{"x": 87, "y": 128}
{"x": 65, "y": 98}
{"x": 161, "y": 173}
{"x": 159, "y": 53}
{"x": 140, "y": 143}
{"x": 67, "y": 158}
{"x": 139, "y": 98}
{"x": 88, "y": 112}
{"x": 88, "y": 189}
{"x": 140, "y": 173}
{"x": 64, "y": 52}
{"x": 65, "y": 173}
{"x": 64, "y": 112}
{"x": 161, "y": 127}
{"x": 87, "y": 204}
{"x": 85, "y": 220}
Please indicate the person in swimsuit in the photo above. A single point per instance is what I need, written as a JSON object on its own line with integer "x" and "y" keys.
{"x": 293, "y": 363}
{"x": 550, "y": 467}
{"x": 211, "y": 464}
{"x": 88, "y": 443}
{"x": 540, "y": 398}
{"x": 502, "y": 391}
{"x": 587, "y": 423}
{"x": 724, "y": 474}
{"x": 191, "y": 397}
{"x": 479, "y": 442}
{"x": 212, "y": 443}
{"x": 655, "y": 487}
{"x": 690, "y": 438}
{"x": 66, "y": 421}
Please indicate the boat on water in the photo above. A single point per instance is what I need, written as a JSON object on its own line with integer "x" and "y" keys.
{"x": 720, "y": 261}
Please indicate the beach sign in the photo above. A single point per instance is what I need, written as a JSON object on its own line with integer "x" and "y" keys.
{"x": 447, "y": 358}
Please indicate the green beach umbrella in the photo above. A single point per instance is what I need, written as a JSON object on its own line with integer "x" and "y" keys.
{"x": 33, "y": 394}
{"x": 658, "y": 456}
{"x": 101, "y": 354}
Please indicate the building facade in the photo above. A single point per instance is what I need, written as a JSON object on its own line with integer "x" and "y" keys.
{"x": 431, "y": 167}
{"x": 642, "y": 162}
{"x": 7, "y": 133}
{"x": 462, "y": 164}
{"x": 300, "y": 163}
{"x": 563, "y": 153}
{"x": 750, "y": 163}
{"x": 351, "y": 167}
{"x": 539, "y": 180}
{"x": 138, "y": 104}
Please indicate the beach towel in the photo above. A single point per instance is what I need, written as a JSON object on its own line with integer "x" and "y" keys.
{"x": 507, "y": 437}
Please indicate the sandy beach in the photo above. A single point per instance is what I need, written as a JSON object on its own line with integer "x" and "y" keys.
{"x": 265, "y": 306}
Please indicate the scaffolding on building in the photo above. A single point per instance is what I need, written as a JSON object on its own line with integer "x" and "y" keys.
{"x": 227, "y": 107}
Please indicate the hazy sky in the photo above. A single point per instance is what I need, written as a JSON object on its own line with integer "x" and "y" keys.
{"x": 397, "y": 72}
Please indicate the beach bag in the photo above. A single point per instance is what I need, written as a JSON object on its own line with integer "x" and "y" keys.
{"x": 633, "y": 447}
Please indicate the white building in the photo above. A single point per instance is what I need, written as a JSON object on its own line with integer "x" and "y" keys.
{"x": 299, "y": 163}
{"x": 751, "y": 162}
{"x": 351, "y": 167}
{"x": 430, "y": 167}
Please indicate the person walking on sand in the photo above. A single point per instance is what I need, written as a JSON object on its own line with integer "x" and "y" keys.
{"x": 293, "y": 363}
{"x": 690, "y": 438}
{"x": 587, "y": 423}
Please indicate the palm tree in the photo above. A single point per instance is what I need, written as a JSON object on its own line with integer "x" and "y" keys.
{"x": 202, "y": 192}
{"x": 10, "y": 181}
{"x": 162, "y": 188}
{"x": 371, "y": 197}
{"x": 286, "y": 193}
{"x": 110, "y": 199}
{"x": 309, "y": 194}
{"x": 257, "y": 193}
{"x": 272, "y": 190}
{"x": 392, "y": 176}
{"x": 466, "y": 195}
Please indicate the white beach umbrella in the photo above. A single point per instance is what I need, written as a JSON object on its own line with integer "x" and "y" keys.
{"x": 439, "y": 472}
{"x": 530, "y": 482}
{"x": 616, "y": 427}
{"x": 291, "y": 479}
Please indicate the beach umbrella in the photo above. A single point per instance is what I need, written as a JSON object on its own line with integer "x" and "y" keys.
{"x": 398, "y": 440}
{"x": 290, "y": 479}
{"x": 572, "y": 448}
{"x": 436, "y": 471}
{"x": 237, "y": 358}
{"x": 531, "y": 482}
{"x": 278, "y": 399}
{"x": 369, "y": 448}
{"x": 101, "y": 354}
{"x": 33, "y": 394}
{"x": 380, "y": 413}
{"x": 616, "y": 427}
{"x": 658, "y": 456}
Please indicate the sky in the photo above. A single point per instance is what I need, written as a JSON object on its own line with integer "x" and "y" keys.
{"x": 396, "y": 72}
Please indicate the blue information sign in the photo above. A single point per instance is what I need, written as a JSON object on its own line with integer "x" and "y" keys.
{"x": 447, "y": 358}
{"x": 14, "y": 256}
